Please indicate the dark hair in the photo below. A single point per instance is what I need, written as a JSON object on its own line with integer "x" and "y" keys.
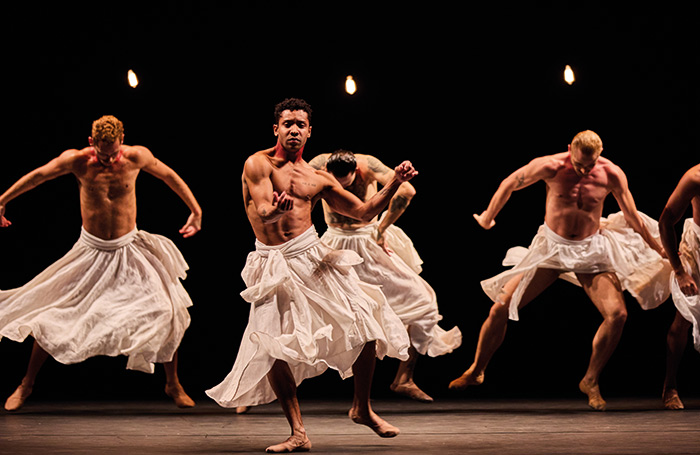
{"x": 292, "y": 104}
{"x": 341, "y": 163}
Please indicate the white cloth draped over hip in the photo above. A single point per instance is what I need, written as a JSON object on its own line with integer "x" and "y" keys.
{"x": 105, "y": 297}
{"x": 309, "y": 309}
{"x": 689, "y": 306}
{"x": 615, "y": 247}
{"x": 409, "y": 295}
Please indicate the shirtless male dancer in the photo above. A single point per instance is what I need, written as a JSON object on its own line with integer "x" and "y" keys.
{"x": 686, "y": 276}
{"x": 389, "y": 260}
{"x": 118, "y": 290}
{"x": 309, "y": 311}
{"x": 571, "y": 240}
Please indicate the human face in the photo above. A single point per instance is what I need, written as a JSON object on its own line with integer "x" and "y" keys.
{"x": 293, "y": 130}
{"x": 347, "y": 180}
{"x": 107, "y": 153}
{"x": 583, "y": 164}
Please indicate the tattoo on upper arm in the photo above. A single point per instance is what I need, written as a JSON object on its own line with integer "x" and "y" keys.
{"x": 398, "y": 203}
{"x": 520, "y": 179}
{"x": 377, "y": 166}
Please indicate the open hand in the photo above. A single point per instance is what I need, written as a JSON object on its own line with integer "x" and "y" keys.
{"x": 4, "y": 222}
{"x": 193, "y": 225}
{"x": 687, "y": 284}
{"x": 282, "y": 201}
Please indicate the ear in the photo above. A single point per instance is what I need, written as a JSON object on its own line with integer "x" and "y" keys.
{"x": 274, "y": 129}
{"x": 309, "y": 135}
{"x": 90, "y": 141}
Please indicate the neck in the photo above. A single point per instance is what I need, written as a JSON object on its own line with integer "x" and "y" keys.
{"x": 290, "y": 156}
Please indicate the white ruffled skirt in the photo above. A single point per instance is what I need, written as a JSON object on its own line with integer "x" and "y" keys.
{"x": 615, "y": 247}
{"x": 105, "y": 297}
{"x": 689, "y": 306}
{"x": 309, "y": 309}
{"x": 409, "y": 295}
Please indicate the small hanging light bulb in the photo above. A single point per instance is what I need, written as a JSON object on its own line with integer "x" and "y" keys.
{"x": 133, "y": 80}
{"x": 569, "y": 75}
{"x": 350, "y": 85}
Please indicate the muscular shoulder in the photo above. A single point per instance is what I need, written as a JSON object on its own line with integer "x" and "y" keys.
{"x": 319, "y": 161}
{"x": 258, "y": 164}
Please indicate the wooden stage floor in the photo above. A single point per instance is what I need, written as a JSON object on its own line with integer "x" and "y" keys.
{"x": 458, "y": 426}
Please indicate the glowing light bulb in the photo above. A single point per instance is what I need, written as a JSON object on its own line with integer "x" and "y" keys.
{"x": 569, "y": 75}
{"x": 133, "y": 80}
{"x": 350, "y": 85}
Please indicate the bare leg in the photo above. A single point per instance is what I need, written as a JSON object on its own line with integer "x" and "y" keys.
{"x": 361, "y": 411}
{"x": 493, "y": 330}
{"x": 36, "y": 360}
{"x": 676, "y": 340}
{"x": 605, "y": 291}
{"x": 403, "y": 382}
{"x": 173, "y": 388}
{"x": 284, "y": 386}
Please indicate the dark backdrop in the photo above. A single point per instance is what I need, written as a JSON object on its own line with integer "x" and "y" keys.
{"x": 467, "y": 94}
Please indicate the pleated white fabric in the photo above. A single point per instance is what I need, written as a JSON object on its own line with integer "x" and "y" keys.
{"x": 689, "y": 306}
{"x": 615, "y": 247}
{"x": 409, "y": 295}
{"x": 309, "y": 309}
{"x": 105, "y": 297}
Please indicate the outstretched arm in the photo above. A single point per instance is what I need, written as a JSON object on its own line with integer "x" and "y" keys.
{"x": 536, "y": 170}
{"x": 346, "y": 203}
{"x": 160, "y": 170}
{"x": 622, "y": 194}
{"x": 61, "y": 165}
{"x": 678, "y": 202}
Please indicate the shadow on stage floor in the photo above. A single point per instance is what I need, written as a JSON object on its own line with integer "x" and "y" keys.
{"x": 445, "y": 427}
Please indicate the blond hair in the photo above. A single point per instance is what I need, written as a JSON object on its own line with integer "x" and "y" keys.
{"x": 107, "y": 129}
{"x": 588, "y": 143}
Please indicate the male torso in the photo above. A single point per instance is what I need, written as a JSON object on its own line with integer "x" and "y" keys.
{"x": 574, "y": 203}
{"x": 107, "y": 192}
{"x": 300, "y": 181}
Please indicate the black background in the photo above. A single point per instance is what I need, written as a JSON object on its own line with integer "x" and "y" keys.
{"x": 467, "y": 93}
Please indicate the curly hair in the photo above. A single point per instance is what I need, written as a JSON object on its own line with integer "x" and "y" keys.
{"x": 292, "y": 104}
{"x": 107, "y": 129}
{"x": 341, "y": 163}
{"x": 588, "y": 143}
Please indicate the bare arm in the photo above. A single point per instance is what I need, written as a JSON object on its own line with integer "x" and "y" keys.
{"x": 269, "y": 205}
{"x": 536, "y": 170}
{"x": 678, "y": 202}
{"x": 399, "y": 202}
{"x": 623, "y": 196}
{"x": 61, "y": 165}
{"x": 319, "y": 161}
{"x": 160, "y": 170}
{"x": 346, "y": 203}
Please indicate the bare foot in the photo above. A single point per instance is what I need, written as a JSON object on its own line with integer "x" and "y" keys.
{"x": 295, "y": 443}
{"x": 412, "y": 391}
{"x": 18, "y": 397}
{"x": 468, "y": 378}
{"x": 595, "y": 400}
{"x": 177, "y": 393}
{"x": 671, "y": 400}
{"x": 242, "y": 409}
{"x": 380, "y": 426}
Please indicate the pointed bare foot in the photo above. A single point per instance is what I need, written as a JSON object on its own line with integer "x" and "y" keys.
{"x": 595, "y": 400}
{"x": 671, "y": 400}
{"x": 242, "y": 409}
{"x": 380, "y": 426}
{"x": 18, "y": 397}
{"x": 412, "y": 391}
{"x": 295, "y": 443}
{"x": 468, "y": 378}
{"x": 179, "y": 396}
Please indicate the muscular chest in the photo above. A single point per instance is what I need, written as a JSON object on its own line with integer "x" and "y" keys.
{"x": 298, "y": 180}
{"x": 584, "y": 193}
{"x": 110, "y": 183}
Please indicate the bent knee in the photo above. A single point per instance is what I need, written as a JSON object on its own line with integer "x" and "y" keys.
{"x": 617, "y": 317}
